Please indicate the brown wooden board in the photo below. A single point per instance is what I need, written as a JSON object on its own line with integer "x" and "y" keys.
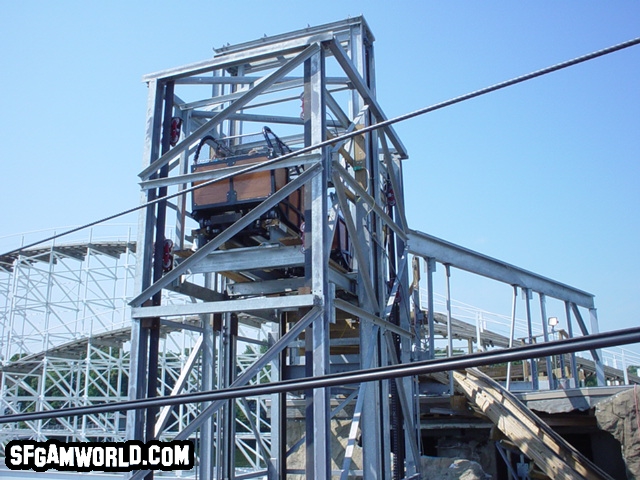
{"x": 550, "y": 452}
{"x": 239, "y": 188}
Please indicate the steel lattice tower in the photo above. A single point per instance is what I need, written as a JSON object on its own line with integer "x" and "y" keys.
{"x": 263, "y": 263}
{"x": 266, "y": 268}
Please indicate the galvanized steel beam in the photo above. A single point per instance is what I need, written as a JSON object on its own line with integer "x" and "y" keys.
{"x": 235, "y": 106}
{"x": 425, "y": 245}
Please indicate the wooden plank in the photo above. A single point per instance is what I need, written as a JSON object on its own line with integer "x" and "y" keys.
{"x": 551, "y": 453}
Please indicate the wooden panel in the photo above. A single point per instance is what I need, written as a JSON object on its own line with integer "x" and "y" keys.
{"x": 212, "y": 194}
{"x": 240, "y": 188}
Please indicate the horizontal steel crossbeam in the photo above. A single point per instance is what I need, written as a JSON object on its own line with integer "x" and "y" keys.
{"x": 242, "y": 305}
{"x": 427, "y": 246}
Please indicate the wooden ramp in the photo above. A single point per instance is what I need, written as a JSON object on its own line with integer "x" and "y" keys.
{"x": 550, "y": 452}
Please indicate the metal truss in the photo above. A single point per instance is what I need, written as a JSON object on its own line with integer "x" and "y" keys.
{"x": 319, "y": 275}
{"x": 64, "y": 323}
{"x": 91, "y": 365}
{"x": 66, "y": 334}
{"x": 257, "y": 267}
{"x": 323, "y": 313}
{"x": 434, "y": 250}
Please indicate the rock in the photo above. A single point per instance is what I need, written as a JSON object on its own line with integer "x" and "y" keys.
{"x": 619, "y": 416}
{"x": 451, "y": 469}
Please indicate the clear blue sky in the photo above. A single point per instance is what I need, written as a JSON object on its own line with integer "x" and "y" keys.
{"x": 544, "y": 175}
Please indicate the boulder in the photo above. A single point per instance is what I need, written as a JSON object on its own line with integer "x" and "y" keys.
{"x": 444, "y": 468}
{"x": 619, "y": 416}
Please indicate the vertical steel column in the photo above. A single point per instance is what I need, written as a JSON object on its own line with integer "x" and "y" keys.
{"x": 431, "y": 268}
{"x": 235, "y": 127}
{"x": 221, "y": 369}
{"x": 227, "y": 417}
{"x": 574, "y": 366}
{"x": 208, "y": 369}
{"x": 447, "y": 270}
{"x": 543, "y": 313}
{"x": 596, "y": 354}
{"x": 512, "y": 330}
{"x": 318, "y": 447}
{"x": 595, "y": 328}
{"x": 153, "y": 324}
{"x": 146, "y": 335}
{"x": 534, "y": 366}
{"x": 375, "y": 423}
{"x": 278, "y": 462}
{"x": 146, "y": 225}
{"x": 85, "y": 388}
{"x": 395, "y": 350}
{"x": 181, "y": 201}
{"x": 42, "y": 378}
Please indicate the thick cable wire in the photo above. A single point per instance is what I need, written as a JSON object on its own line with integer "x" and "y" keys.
{"x": 346, "y": 136}
{"x": 425, "y": 367}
